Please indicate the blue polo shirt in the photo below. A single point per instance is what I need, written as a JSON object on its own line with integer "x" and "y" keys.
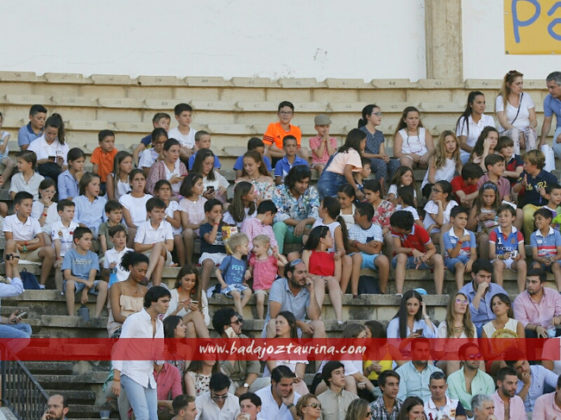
{"x": 26, "y": 135}
{"x": 192, "y": 161}
{"x": 483, "y": 314}
{"x": 238, "y": 166}
{"x": 283, "y": 166}
{"x": 146, "y": 141}
{"x": 552, "y": 106}
{"x": 532, "y": 195}
{"x": 546, "y": 245}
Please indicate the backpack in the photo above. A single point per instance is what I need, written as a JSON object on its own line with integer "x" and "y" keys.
{"x": 29, "y": 280}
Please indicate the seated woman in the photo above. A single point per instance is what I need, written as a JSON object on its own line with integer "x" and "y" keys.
{"x": 517, "y": 113}
{"x": 413, "y": 144}
{"x": 127, "y": 297}
{"x": 214, "y": 184}
{"x": 198, "y": 376}
{"x": 189, "y": 302}
{"x": 170, "y": 168}
{"x": 285, "y": 327}
{"x": 244, "y": 374}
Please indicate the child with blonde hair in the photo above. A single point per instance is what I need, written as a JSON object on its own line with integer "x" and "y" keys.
{"x": 264, "y": 268}
{"x": 444, "y": 163}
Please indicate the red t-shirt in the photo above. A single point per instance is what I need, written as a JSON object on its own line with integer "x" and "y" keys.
{"x": 417, "y": 239}
{"x": 458, "y": 184}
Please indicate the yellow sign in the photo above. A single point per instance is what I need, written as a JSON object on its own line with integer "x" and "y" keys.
{"x": 532, "y": 26}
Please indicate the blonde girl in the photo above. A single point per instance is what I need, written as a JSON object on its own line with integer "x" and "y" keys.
{"x": 445, "y": 162}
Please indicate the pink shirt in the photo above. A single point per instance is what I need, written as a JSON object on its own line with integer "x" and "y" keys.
{"x": 169, "y": 381}
{"x": 529, "y": 312}
{"x": 264, "y": 272}
{"x": 503, "y": 185}
{"x": 253, "y": 226}
{"x": 545, "y": 408}
{"x": 340, "y": 160}
{"x": 315, "y": 142}
{"x": 517, "y": 410}
{"x": 195, "y": 209}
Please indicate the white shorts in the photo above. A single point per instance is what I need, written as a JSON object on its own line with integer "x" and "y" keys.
{"x": 216, "y": 257}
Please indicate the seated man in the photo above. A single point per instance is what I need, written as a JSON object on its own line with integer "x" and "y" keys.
{"x": 483, "y": 407}
{"x": 279, "y": 400}
{"x": 295, "y": 293}
{"x": 217, "y": 403}
{"x": 336, "y": 400}
{"x": 439, "y": 404}
{"x": 184, "y": 407}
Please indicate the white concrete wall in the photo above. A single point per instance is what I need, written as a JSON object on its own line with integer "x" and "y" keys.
{"x": 293, "y": 38}
{"x": 484, "y": 45}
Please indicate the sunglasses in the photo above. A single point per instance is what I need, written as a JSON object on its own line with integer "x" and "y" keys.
{"x": 295, "y": 262}
{"x": 473, "y": 356}
{"x": 219, "y": 397}
{"x": 314, "y": 405}
{"x": 461, "y": 301}
{"x": 237, "y": 321}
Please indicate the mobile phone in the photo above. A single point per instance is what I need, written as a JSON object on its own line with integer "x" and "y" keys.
{"x": 210, "y": 188}
{"x": 21, "y": 315}
{"x": 419, "y": 331}
{"x": 52, "y": 157}
{"x": 195, "y": 301}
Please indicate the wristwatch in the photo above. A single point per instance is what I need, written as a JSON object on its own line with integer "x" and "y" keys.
{"x": 289, "y": 406}
{"x": 246, "y": 385}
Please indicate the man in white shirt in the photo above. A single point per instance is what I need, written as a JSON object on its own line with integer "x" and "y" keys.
{"x": 279, "y": 400}
{"x": 217, "y": 403}
{"x": 439, "y": 404}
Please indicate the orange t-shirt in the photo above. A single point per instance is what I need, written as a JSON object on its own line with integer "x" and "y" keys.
{"x": 275, "y": 133}
{"x": 104, "y": 162}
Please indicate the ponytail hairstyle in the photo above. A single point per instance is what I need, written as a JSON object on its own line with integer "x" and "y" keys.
{"x": 237, "y": 208}
{"x": 333, "y": 209}
{"x": 352, "y": 141}
{"x": 198, "y": 163}
{"x": 256, "y": 156}
{"x": 507, "y": 81}
{"x": 55, "y": 120}
{"x": 315, "y": 236}
{"x": 366, "y": 111}
{"x": 463, "y": 119}
{"x": 402, "y": 124}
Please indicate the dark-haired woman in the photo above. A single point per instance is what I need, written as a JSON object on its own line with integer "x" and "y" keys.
{"x": 340, "y": 167}
{"x": 471, "y": 123}
{"x": 126, "y": 297}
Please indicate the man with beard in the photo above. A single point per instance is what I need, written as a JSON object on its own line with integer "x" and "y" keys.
{"x": 483, "y": 407}
{"x": 508, "y": 405}
{"x": 57, "y": 408}
{"x": 388, "y": 405}
{"x": 415, "y": 375}
{"x": 469, "y": 381}
{"x": 537, "y": 308}
{"x": 279, "y": 400}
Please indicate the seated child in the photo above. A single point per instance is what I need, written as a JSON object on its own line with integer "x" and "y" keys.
{"x": 114, "y": 215}
{"x": 514, "y": 165}
{"x": 464, "y": 186}
{"x": 414, "y": 250}
{"x": 44, "y": 210}
{"x": 277, "y": 131}
{"x": 9, "y": 164}
{"x": 365, "y": 243}
{"x": 103, "y": 155}
{"x": 406, "y": 201}
{"x": 80, "y": 266}
{"x": 213, "y": 250}
{"x": 264, "y": 268}
{"x": 26, "y": 179}
{"x": 150, "y": 156}
{"x": 68, "y": 180}
{"x": 202, "y": 141}
{"x": 459, "y": 245}
{"x": 183, "y": 132}
{"x": 506, "y": 247}
{"x": 437, "y": 210}
{"x": 554, "y": 204}
{"x": 113, "y": 256}
{"x": 531, "y": 187}
{"x": 253, "y": 143}
{"x": 90, "y": 207}
{"x": 154, "y": 238}
{"x": 290, "y": 159}
{"x": 262, "y": 224}
{"x": 364, "y": 173}
{"x": 403, "y": 177}
{"x": 34, "y": 129}
{"x": 62, "y": 235}
{"x": 232, "y": 274}
{"x": 163, "y": 191}
{"x": 25, "y": 237}
{"x": 192, "y": 207}
{"x": 159, "y": 120}
{"x": 134, "y": 203}
{"x": 323, "y": 146}
{"x": 546, "y": 245}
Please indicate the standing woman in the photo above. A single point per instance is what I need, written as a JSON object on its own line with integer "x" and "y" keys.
{"x": 516, "y": 113}
{"x": 471, "y": 123}
{"x": 375, "y": 148}
{"x": 413, "y": 143}
{"x": 136, "y": 377}
{"x": 340, "y": 167}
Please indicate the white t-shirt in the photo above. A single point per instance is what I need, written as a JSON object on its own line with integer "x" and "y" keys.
{"x": 32, "y": 186}
{"x": 21, "y": 231}
{"x": 446, "y": 173}
{"x": 522, "y": 121}
{"x": 474, "y": 129}
{"x": 187, "y": 140}
{"x": 52, "y": 215}
{"x": 136, "y": 207}
{"x": 114, "y": 256}
{"x": 410, "y": 209}
{"x": 64, "y": 234}
{"x": 432, "y": 208}
{"x": 172, "y": 207}
{"x": 147, "y": 158}
{"x": 393, "y": 190}
{"x": 43, "y": 149}
{"x": 146, "y": 234}
{"x": 219, "y": 181}
{"x": 175, "y": 173}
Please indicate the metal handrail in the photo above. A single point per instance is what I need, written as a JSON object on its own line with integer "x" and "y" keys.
{"x": 21, "y": 392}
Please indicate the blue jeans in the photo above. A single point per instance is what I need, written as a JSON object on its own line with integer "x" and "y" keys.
{"x": 329, "y": 183}
{"x": 144, "y": 401}
{"x": 21, "y": 331}
{"x": 379, "y": 169}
